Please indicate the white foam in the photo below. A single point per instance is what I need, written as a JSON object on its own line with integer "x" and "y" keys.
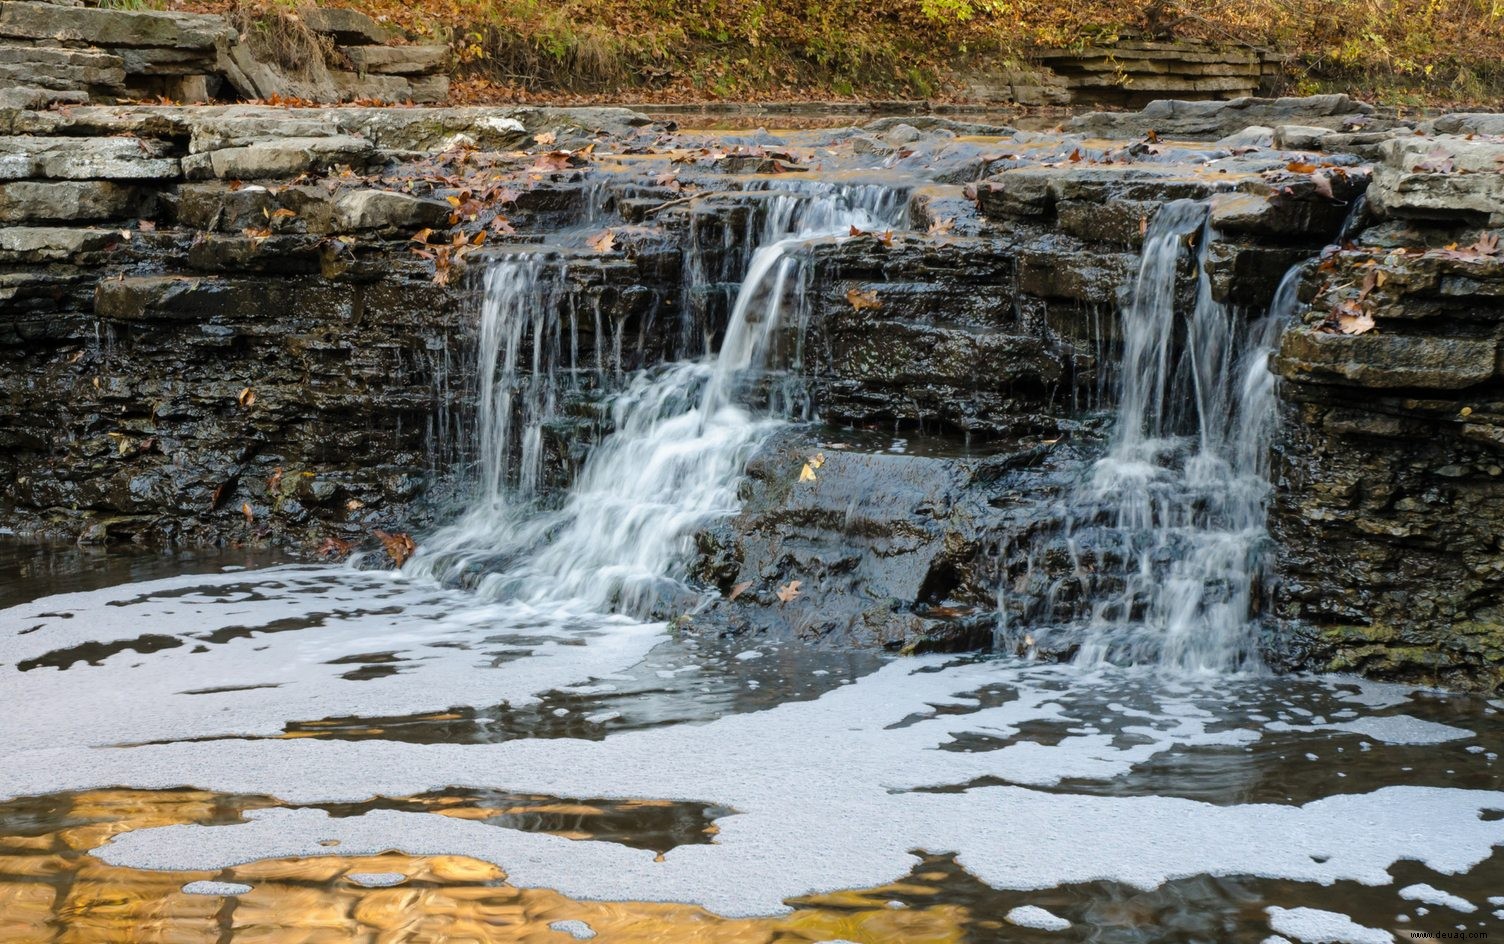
{"x": 1435, "y": 896}
{"x": 578, "y": 930}
{"x": 1032, "y": 916}
{"x": 1314, "y": 926}
{"x": 215, "y": 888}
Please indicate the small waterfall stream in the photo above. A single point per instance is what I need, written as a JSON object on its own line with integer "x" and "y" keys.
{"x": 679, "y": 434}
{"x": 1168, "y": 529}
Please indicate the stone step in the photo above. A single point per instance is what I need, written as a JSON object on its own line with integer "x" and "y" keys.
{"x": 108, "y": 27}
{"x": 397, "y": 60}
{"x": 54, "y": 67}
{"x": 117, "y": 158}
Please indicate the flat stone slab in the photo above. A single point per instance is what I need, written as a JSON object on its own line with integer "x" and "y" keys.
{"x": 1385, "y": 361}
{"x": 114, "y": 158}
{"x": 107, "y": 27}
{"x": 35, "y": 201}
{"x": 59, "y": 68}
{"x": 1172, "y": 118}
{"x": 397, "y": 60}
{"x": 51, "y": 243}
{"x": 346, "y": 27}
{"x": 287, "y": 157}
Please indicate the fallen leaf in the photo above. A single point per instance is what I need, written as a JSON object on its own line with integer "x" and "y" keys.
{"x": 941, "y": 227}
{"x": 245, "y": 509}
{"x": 806, "y": 474}
{"x": 246, "y": 398}
{"x": 1323, "y": 185}
{"x": 602, "y": 241}
{"x": 545, "y": 137}
{"x": 399, "y": 546}
{"x": 1354, "y": 320}
{"x": 1300, "y": 167}
{"x": 788, "y": 591}
{"x": 818, "y": 460}
{"x": 275, "y": 480}
{"x": 739, "y": 589}
{"x": 860, "y": 299}
{"x": 334, "y": 547}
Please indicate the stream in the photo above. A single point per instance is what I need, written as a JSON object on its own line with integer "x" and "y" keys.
{"x": 509, "y": 739}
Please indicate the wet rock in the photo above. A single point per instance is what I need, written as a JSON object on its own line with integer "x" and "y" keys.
{"x": 1212, "y": 119}
{"x": 1386, "y": 360}
{"x": 36, "y": 244}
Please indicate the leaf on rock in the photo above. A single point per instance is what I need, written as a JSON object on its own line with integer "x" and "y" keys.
{"x": 399, "y": 546}
{"x": 604, "y": 241}
{"x": 1300, "y": 167}
{"x": 806, "y": 474}
{"x": 860, "y": 299}
{"x": 739, "y": 589}
{"x": 245, "y": 509}
{"x": 246, "y": 398}
{"x": 1323, "y": 185}
{"x": 941, "y": 227}
{"x": 1353, "y": 320}
{"x": 788, "y": 591}
{"x": 545, "y": 138}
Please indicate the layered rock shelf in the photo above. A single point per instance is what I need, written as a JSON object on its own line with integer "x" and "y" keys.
{"x": 52, "y": 52}
{"x": 256, "y": 324}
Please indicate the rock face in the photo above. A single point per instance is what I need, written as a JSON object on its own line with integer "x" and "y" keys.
{"x": 54, "y": 52}
{"x": 1390, "y": 459}
{"x": 246, "y": 323}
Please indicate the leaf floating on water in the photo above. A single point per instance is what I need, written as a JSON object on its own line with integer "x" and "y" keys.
{"x": 788, "y": 591}
{"x": 399, "y": 546}
{"x": 603, "y": 241}
{"x": 739, "y": 589}
{"x": 806, "y": 474}
{"x": 246, "y": 398}
{"x": 333, "y": 547}
{"x": 860, "y": 299}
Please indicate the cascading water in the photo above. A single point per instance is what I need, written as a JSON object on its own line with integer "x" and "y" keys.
{"x": 1167, "y": 530}
{"x": 679, "y": 434}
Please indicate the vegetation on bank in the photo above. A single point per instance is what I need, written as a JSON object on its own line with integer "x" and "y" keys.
{"x": 1394, "y": 51}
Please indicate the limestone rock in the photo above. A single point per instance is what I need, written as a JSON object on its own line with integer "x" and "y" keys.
{"x": 346, "y": 27}
{"x": 281, "y": 158}
{"x": 33, "y": 244}
{"x": 1385, "y": 360}
{"x": 116, "y": 158}
{"x": 382, "y": 209}
{"x": 62, "y": 69}
{"x": 1202, "y": 119}
{"x": 32, "y": 201}
{"x": 397, "y": 60}
{"x": 99, "y": 26}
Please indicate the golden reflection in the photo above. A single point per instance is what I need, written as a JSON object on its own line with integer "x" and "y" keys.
{"x": 52, "y": 890}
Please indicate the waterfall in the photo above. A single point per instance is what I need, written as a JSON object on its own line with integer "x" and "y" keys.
{"x": 679, "y": 435}
{"x": 1167, "y": 530}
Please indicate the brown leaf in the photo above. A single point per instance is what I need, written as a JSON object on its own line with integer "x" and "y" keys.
{"x": 545, "y": 138}
{"x": 1353, "y": 320}
{"x": 602, "y": 241}
{"x": 739, "y": 589}
{"x": 275, "y": 480}
{"x": 1323, "y": 185}
{"x": 399, "y": 547}
{"x": 245, "y": 509}
{"x": 860, "y": 299}
{"x": 283, "y": 213}
{"x": 246, "y": 398}
{"x": 1438, "y": 160}
{"x": 146, "y": 226}
{"x": 788, "y": 591}
{"x": 1300, "y": 167}
{"x": 806, "y": 474}
{"x": 333, "y": 547}
{"x": 941, "y": 227}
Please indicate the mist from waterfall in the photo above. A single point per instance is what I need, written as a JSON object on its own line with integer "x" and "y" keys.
{"x": 678, "y": 436}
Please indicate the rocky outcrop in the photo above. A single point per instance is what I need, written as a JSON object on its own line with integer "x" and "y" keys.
{"x": 54, "y": 52}
{"x": 1389, "y": 495}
